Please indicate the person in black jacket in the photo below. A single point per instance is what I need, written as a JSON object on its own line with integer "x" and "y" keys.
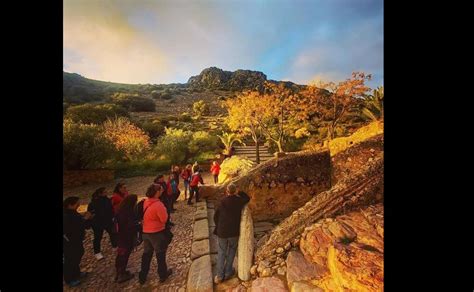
{"x": 101, "y": 207}
{"x": 127, "y": 231}
{"x": 74, "y": 226}
{"x": 227, "y": 220}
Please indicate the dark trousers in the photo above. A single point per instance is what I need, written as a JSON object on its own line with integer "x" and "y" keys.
{"x": 99, "y": 233}
{"x": 167, "y": 201}
{"x": 73, "y": 253}
{"x": 158, "y": 243}
{"x": 192, "y": 191}
{"x": 216, "y": 178}
{"x": 122, "y": 259}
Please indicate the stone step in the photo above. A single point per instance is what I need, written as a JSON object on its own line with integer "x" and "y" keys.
{"x": 200, "y": 275}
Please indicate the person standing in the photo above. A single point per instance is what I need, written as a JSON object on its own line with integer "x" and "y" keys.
{"x": 101, "y": 207}
{"x": 196, "y": 178}
{"x": 120, "y": 192}
{"x": 186, "y": 175}
{"x": 74, "y": 226}
{"x": 155, "y": 237}
{"x": 227, "y": 220}
{"x": 215, "y": 169}
{"x": 127, "y": 230}
{"x": 164, "y": 198}
{"x": 173, "y": 189}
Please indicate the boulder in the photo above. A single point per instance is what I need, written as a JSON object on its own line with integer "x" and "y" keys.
{"x": 246, "y": 245}
{"x": 199, "y": 248}
{"x": 268, "y": 284}
{"x": 299, "y": 269}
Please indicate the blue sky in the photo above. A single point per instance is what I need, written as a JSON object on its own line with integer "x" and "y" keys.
{"x": 169, "y": 41}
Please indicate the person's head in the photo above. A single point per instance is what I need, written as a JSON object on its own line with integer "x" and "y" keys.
{"x": 214, "y": 162}
{"x": 231, "y": 189}
{"x": 176, "y": 168}
{"x": 120, "y": 188}
{"x": 153, "y": 191}
{"x": 128, "y": 203}
{"x": 71, "y": 203}
{"x": 100, "y": 192}
{"x": 159, "y": 178}
{"x": 189, "y": 166}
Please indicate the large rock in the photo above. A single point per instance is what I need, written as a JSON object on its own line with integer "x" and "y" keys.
{"x": 305, "y": 287}
{"x": 200, "y": 248}
{"x": 268, "y": 284}
{"x": 299, "y": 269}
{"x": 201, "y": 230}
{"x": 246, "y": 245}
{"x": 200, "y": 275}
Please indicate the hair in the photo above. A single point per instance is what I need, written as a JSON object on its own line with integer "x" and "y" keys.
{"x": 118, "y": 186}
{"x": 188, "y": 165}
{"x": 152, "y": 190}
{"x": 128, "y": 202}
{"x": 157, "y": 178}
{"x": 98, "y": 192}
{"x": 70, "y": 201}
{"x": 231, "y": 188}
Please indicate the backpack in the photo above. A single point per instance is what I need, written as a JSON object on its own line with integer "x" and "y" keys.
{"x": 139, "y": 213}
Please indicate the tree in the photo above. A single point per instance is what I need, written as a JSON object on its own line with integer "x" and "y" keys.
{"x": 373, "y": 105}
{"x": 85, "y": 146}
{"x": 228, "y": 139}
{"x": 200, "y": 108}
{"x": 245, "y": 111}
{"x": 95, "y": 113}
{"x": 174, "y": 145}
{"x": 127, "y": 138}
{"x": 330, "y": 102}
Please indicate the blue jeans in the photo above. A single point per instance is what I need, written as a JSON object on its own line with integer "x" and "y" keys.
{"x": 225, "y": 256}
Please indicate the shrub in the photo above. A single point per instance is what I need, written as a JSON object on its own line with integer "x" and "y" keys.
{"x": 85, "y": 146}
{"x": 153, "y": 128}
{"x": 94, "y": 113}
{"x": 174, "y": 145}
{"x": 145, "y": 167}
{"x": 202, "y": 142}
{"x": 127, "y": 138}
{"x": 134, "y": 103}
{"x": 233, "y": 167}
{"x": 200, "y": 108}
{"x": 185, "y": 117}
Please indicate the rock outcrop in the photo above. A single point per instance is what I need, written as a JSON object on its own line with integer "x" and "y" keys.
{"x": 215, "y": 78}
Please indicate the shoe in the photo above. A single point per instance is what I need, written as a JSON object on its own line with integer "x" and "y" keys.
{"x": 168, "y": 274}
{"x": 74, "y": 283}
{"x": 99, "y": 256}
{"x": 83, "y": 275}
{"x": 124, "y": 277}
{"x": 217, "y": 280}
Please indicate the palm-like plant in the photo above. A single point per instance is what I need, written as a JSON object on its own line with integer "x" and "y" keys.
{"x": 228, "y": 139}
{"x": 373, "y": 108}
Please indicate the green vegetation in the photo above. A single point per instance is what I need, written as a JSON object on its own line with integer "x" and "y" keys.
{"x": 134, "y": 103}
{"x": 95, "y": 113}
{"x": 200, "y": 109}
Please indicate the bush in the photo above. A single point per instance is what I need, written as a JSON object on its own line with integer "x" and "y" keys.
{"x": 200, "y": 108}
{"x": 185, "y": 117}
{"x": 127, "y": 138}
{"x": 85, "y": 146}
{"x": 134, "y": 103}
{"x": 205, "y": 156}
{"x": 233, "y": 167}
{"x": 203, "y": 142}
{"x": 94, "y": 113}
{"x": 147, "y": 167}
{"x": 174, "y": 145}
{"x": 154, "y": 128}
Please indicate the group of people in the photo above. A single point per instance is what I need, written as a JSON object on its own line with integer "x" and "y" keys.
{"x": 129, "y": 223}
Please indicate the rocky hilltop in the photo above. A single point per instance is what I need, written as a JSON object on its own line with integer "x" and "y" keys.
{"x": 215, "y": 78}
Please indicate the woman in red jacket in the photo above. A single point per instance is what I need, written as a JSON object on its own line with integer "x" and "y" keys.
{"x": 215, "y": 169}
{"x": 127, "y": 230}
{"x": 120, "y": 192}
{"x": 155, "y": 238}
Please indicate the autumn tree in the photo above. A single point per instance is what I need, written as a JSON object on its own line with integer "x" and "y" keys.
{"x": 127, "y": 138}
{"x": 331, "y": 102}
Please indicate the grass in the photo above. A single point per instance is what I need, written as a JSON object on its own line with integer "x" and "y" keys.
{"x": 141, "y": 168}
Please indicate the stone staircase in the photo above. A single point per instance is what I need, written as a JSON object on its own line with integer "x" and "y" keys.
{"x": 250, "y": 152}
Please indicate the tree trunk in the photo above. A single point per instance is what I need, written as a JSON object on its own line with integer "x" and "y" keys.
{"x": 258, "y": 151}
{"x": 361, "y": 189}
{"x": 246, "y": 245}
{"x": 280, "y": 149}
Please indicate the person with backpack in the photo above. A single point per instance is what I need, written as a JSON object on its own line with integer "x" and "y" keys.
{"x": 227, "y": 220}
{"x": 196, "y": 178}
{"x": 164, "y": 198}
{"x": 120, "y": 192}
{"x": 186, "y": 175}
{"x": 74, "y": 226}
{"x": 101, "y": 207}
{"x": 215, "y": 169}
{"x": 173, "y": 190}
{"x": 127, "y": 232}
{"x": 155, "y": 236}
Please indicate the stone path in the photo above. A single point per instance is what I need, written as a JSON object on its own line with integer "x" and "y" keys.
{"x": 101, "y": 277}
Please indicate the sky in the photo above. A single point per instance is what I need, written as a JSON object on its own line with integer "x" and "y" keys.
{"x": 162, "y": 42}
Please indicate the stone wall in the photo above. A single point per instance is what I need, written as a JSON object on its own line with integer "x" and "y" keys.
{"x": 281, "y": 185}
{"x": 72, "y": 178}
